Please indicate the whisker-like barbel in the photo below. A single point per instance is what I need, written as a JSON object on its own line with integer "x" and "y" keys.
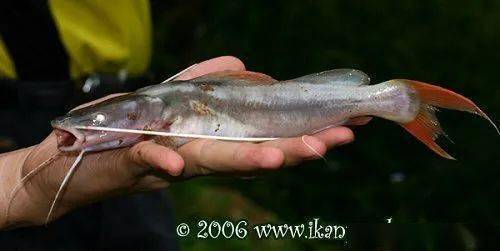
{"x": 170, "y": 134}
{"x": 65, "y": 181}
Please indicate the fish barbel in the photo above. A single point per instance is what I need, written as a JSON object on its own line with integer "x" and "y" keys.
{"x": 248, "y": 104}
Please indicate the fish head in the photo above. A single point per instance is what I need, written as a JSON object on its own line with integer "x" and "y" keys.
{"x": 128, "y": 111}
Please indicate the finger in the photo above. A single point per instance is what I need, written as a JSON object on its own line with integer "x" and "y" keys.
{"x": 147, "y": 154}
{"x": 295, "y": 150}
{"x": 224, "y": 63}
{"x": 303, "y": 148}
{"x": 223, "y": 156}
{"x": 336, "y": 136}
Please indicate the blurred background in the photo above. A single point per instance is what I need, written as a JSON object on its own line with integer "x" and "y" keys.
{"x": 434, "y": 203}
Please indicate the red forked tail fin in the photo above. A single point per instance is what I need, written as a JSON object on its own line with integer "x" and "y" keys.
{"x": 425, "y": 126}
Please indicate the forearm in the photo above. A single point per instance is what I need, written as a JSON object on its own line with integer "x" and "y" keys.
{"x": 10, "y": 174}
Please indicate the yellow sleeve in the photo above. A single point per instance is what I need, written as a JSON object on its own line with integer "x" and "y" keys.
{"x": 99, "y": 36}
{"x": 7, "y": 69}
{"x": 104, "y": 36}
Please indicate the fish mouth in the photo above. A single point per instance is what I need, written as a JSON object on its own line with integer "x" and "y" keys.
{"x": 69, "y": 139}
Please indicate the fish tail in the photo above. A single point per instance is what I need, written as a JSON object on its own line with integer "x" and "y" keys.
{"x": 425, "y": 125}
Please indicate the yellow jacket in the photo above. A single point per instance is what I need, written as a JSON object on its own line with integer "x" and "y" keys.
{"x": 99, "y": 36}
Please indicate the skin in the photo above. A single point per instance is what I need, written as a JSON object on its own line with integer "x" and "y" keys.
{"x": 145, "y": 166}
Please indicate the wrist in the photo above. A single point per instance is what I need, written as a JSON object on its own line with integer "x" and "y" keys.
{"x": 11, "y": 164}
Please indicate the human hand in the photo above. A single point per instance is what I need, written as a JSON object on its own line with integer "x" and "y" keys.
{"x": 137, "y": 168}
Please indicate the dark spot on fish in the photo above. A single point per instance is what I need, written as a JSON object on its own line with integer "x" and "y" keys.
{"x": 167, "y": 125}
{"x": 132, "y": 116}
{"x": 218, "y": 127}
{"x": 166, "y": 141}
{"x": 218, "y": 101}
{"x": 145, "y": 137}
{"x": 120, "y": 141}
{"x": 206, "y": 87}
{"x": 201, "y": 108}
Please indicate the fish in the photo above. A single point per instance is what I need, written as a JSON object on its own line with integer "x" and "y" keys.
{"x": 245, "y": 104}
{"x": 249, "y": 106}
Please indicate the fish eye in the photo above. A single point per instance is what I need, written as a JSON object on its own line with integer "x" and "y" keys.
{"x": 99, "y": 118}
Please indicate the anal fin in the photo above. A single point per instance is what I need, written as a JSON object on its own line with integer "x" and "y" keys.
{"x": 357, "y": 121}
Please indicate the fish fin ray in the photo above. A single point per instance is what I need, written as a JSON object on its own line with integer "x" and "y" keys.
{"x": 440, "y": 97}
{"x": 357, "y": 121}
{"x": 346, "y": 77}
{"x": 236, "y": 77}
{"x": 425, "y": 127}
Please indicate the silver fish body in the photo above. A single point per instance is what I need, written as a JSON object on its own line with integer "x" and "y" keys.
{"x": 279, "y": 109}
{"x": 248, "y": 104}
{"x": 239, "y": 104}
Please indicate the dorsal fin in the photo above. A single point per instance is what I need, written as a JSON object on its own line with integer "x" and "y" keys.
{"x": 214, "y": 78}
{"x": 236, "y": 77}
{"x": 336, "y": 77}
